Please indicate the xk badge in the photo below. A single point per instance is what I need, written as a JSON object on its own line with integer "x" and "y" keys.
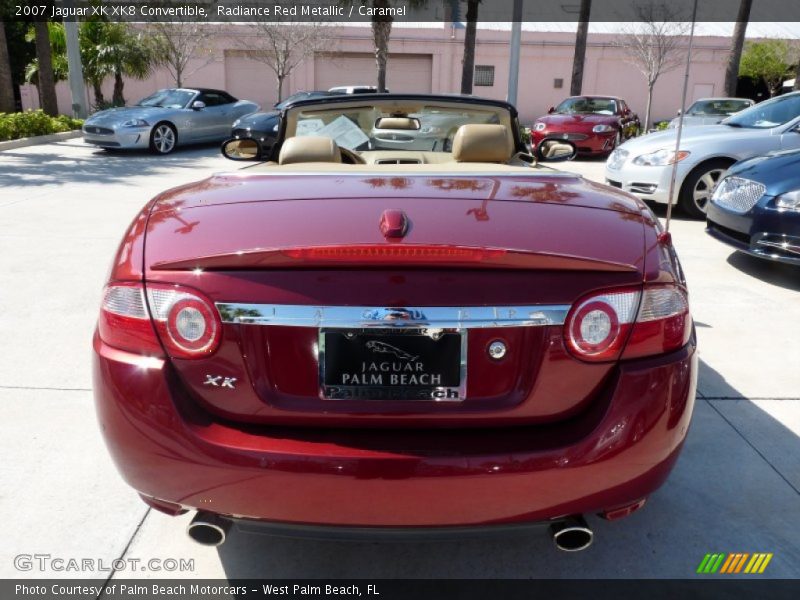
{"x": 220, "y": 381}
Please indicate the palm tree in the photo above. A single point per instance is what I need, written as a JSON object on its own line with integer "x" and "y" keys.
{"x": 737, "y": 43}
{"x": 46, "y": 79}
{"x": 111, "y": 49}
{"x": 7, "y": 103}
{"x": 382, "y": 19}
{"x": 580, "y": 48}
{"x": 468, "y": 67}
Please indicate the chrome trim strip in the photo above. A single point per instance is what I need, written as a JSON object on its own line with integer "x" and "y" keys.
{"x": 466, "y": 317}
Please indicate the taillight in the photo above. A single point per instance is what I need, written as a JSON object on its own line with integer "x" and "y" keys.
{"x": 597, "y": 326}
{"x": 628, "y": 323}
{"x": 186, "y": 321}
{"x": 124, "y": 321}
{"x": 663, "y": 323}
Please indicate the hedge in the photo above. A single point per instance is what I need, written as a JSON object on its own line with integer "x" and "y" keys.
{"x": 34, "y": 122}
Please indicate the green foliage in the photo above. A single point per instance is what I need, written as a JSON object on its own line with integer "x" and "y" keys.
{"x": 34, "y": 122}
{"x": 107, "y": 49}
{"x": 662, "y": 125}
{"x": 525, "y": 134}
{"x": 770, "y": 61}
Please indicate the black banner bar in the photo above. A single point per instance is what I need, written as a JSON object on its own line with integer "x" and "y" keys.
{"x": 392, "y": 589}
{"x": 363, "y": 11}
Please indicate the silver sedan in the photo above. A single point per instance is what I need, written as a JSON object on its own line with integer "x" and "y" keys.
{"x": 167, "y": 119}
{"x": 643, "y": 165}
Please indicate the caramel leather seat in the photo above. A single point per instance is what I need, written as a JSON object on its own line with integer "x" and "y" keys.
{"x": 482, "y": 143}
{"x": 306, "y": 149}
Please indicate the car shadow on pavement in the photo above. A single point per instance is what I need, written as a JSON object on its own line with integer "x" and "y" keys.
{"x": 33, "y": 168}
{"x": 726, "y": 494}
{"x": 774, "y": 273}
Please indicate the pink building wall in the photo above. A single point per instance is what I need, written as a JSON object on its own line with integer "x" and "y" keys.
{"x": 415, "y": 52}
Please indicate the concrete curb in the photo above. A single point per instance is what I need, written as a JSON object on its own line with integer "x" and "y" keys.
{"x": 40, "y": 139}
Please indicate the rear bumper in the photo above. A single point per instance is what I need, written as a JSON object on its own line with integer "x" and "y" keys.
{"x": 621, "y": 450}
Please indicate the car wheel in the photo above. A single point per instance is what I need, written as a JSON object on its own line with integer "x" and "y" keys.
{"x": 163, "y": 138}
{"x": 699, "y": 185}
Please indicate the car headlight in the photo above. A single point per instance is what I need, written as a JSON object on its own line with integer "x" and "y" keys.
{"x": 660, "y": 158}
{"x": 789, "y": 200}
{"x": 135, "y": 123}
{"x": 236, "y": 123}
{"x": 602, "y": 128}
{"x": 275, "y": 129}
{"x": 539, "y": 126}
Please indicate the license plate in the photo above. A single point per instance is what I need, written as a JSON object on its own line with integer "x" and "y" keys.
{"x": 393, "y": 364}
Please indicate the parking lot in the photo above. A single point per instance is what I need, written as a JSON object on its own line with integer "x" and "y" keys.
{"x": 63, "y": 210}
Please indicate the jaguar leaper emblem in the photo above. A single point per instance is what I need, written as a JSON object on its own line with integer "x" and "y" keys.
{"x": 384, "y": 348}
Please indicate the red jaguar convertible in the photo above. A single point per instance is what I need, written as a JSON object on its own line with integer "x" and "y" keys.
{"x": 340, "y": 340}
{"x": 595, "y": 124}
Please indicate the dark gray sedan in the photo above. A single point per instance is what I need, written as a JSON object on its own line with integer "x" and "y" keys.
{"x": 167, "y": 119}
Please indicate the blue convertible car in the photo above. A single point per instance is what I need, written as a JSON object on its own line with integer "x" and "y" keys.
{"x": 756, "y": 207}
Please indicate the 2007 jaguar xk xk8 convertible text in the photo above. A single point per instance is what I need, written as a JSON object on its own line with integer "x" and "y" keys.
{"x": 343, "y": 340}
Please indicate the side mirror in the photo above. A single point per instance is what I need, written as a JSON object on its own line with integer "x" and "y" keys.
{"x": 626, "y": 112}
{"x": 551, "y": 110}
{"x": 198, "y": 105}
{"x": 556, "y": 151}
{"x": 679, "y": 112}
{"x": 241, "y": 149}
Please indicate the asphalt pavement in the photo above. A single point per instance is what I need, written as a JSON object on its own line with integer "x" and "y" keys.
{"x": 63, "y": 210}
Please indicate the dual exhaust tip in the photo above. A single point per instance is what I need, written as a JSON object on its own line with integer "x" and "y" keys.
{"x": 572, "y": 534}
{"x": 208, "y": 529}
{"x": 569, "y": 535}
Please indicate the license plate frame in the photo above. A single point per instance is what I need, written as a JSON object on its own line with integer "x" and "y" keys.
{"x": 397, "y": 391}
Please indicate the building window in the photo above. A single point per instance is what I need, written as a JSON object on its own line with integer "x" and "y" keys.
{"x": 558, "y": 83}
{"x": 484, "y": 75}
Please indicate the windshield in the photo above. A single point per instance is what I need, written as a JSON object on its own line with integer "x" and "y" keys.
{"x": 770, "y": 113}
{"x": 168, "y": 99}
{"x": 717, "y": 107}
{"x": 590, "y": 106}
{"x": 412, "y": 127}
{"x": 301, "y": 96}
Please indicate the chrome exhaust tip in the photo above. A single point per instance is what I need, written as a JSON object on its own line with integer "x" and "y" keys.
{"x": 571, "y": 534}
{"x": 209, "y": 529}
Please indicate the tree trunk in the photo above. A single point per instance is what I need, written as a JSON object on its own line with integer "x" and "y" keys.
{"x": 7, "y": 104}
{"x": 119, "y": 88}
{"x": 580, "y": 49}
{"x": 99, "y": 100}
{"x": 468, "y": 67}
{"x": 280, "y": 87}
{"x": 737, "y": 43}
{"x": 797, "y": 77}
{"x": 381, "y": 30}
{"x": 47, "y": 85}
{"x": 649, "y": 106}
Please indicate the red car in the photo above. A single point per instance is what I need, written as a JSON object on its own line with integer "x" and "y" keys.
{"x": 343, "y": 341}
{"x": 595, "y": 124}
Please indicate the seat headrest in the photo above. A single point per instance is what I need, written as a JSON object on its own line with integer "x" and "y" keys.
{"x": 482, "y": 143}
{"x": 309, "y": 148}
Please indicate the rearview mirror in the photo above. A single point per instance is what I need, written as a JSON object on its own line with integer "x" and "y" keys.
{"x": 404, "y": 123}
{"x": 198, "y": 105}
{"x": 555, "y": 151}
{"x": 238, "y": 149}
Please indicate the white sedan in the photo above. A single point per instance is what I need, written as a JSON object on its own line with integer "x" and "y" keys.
{"x": 643, "y": 166}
